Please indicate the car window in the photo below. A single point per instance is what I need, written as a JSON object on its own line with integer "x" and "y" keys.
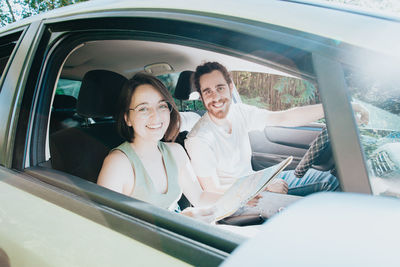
{"x": 274, "y": 92}
{"x": 380, "y": 138}
{"x": 170, "y": 80}
{"x": 68, "y": 87}
{"x": 7, "y": 45}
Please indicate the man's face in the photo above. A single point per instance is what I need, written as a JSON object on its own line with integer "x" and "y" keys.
{"x": 216, "y": 94}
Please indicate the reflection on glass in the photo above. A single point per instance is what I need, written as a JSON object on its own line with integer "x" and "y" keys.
{"x": 380, "y": 139}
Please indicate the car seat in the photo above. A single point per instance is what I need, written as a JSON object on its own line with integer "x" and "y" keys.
{"x": 63, "y": 114}
{"x": 80, "y": 150}
{"x": 183, "y": 89}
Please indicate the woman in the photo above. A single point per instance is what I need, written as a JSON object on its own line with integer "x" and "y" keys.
{"x": 144, "y": 167}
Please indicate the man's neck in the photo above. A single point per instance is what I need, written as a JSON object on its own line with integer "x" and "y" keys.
{"x": 223, "y": 123}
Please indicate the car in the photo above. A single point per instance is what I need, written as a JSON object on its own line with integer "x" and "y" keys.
{"x": 60, "y": 76}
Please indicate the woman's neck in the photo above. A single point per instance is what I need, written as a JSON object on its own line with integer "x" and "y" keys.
{"x": 145, "y": 147}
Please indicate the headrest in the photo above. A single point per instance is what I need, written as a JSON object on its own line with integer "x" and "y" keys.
{"x": 64, "y": 102}
{"x": 184, "y": 85}
{"x": 99, "y": 93}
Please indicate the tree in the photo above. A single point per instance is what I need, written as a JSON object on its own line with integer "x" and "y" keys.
{"x": 13, "y": 10}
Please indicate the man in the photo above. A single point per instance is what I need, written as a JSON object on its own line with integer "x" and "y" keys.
{"x": 219, "y": 146}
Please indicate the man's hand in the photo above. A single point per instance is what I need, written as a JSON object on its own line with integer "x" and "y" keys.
{"x": 277, "y": 186}
{"x": 361, "y": 113}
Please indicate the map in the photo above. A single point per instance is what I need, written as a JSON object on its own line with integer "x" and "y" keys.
{"x": 246, "y": 188}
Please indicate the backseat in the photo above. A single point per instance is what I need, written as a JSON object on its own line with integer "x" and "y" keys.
{"x": 63, "y": 113}
{"x": 80, "y": 150}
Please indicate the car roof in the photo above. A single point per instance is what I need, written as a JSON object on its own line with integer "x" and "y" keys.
{"x": 373, "y": 31}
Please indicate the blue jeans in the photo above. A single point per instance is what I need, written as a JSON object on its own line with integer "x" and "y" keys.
{"x": 313, "y": 181}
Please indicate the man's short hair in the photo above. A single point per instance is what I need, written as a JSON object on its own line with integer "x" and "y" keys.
{"x": 209, "y": 67}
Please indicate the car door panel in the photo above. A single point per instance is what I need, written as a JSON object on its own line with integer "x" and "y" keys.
{"x": 52, "y": 211}
{"x": 274, "y": 144}
{"x": 44, "y": 228}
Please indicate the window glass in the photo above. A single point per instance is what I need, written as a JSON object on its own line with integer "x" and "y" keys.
{"x": 68, "y": 87}
{"x": 63, "y": 113}
{"x": 7, "y": 45}
{"x": 274, "y": 92}
{"x": 170, "y": 80}
{"x": 380, "y": 138}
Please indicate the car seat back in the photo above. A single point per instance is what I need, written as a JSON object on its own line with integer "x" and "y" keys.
{"x": 63, "y": 114}
{"x": 81, "y": 150}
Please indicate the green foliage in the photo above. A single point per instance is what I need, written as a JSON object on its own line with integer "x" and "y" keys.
{"x": 13, "y": 10}
{"x": 378, "y": 91}
{"x": 68, "y": 87}
{"x": 255, "y": 101}
{"x": 274, "y": 92}
{"x": 169, "y": 80}
{"x": 303, "y": 93}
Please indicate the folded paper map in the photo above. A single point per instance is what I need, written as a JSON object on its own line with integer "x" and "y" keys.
{"x": 246, "y": 188}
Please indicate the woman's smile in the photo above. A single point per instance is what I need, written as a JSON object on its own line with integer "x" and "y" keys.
{"x": 155, "y": 126}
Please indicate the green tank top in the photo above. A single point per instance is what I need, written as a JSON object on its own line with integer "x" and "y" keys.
{"x": 144, "y": 188}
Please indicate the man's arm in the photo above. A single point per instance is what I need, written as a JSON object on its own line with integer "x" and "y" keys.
{"x": 205, "y": 165}
{"x": 297, "y": 116}
{"x": 212, "y": 184}
{"x": 188, "y": 180}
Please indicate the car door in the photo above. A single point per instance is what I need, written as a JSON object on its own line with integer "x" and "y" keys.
{"x": 27, "y": 87}
{"x": 55, "y": 219}
{"x": 273, "y": 144}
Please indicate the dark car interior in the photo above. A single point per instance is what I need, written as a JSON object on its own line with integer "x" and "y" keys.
{"x": 80, "y": 150}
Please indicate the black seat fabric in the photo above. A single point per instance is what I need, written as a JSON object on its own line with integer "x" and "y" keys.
{"x": 184, "y": 85}
{"x": 81, "y": 150}
{"x": 63, "y": 114}
{"x": 183, "y": 88}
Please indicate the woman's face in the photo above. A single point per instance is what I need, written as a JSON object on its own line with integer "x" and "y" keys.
{"x": 149, "y": 113}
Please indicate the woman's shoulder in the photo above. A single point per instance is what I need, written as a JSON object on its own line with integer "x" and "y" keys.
{"x": 116, "y": 172}
{"x": 117, "y": 158}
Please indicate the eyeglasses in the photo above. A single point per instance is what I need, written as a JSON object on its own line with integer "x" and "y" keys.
{"x": 145, "y": 110}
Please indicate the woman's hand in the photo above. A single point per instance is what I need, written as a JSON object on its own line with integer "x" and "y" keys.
{"x": 254, "y": 201}
{"x": 277, "y": 186}
{"x": 205, "y": 214}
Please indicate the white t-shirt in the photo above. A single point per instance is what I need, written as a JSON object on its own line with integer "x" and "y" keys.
{"x": 213, "y": 149}
{"x": 188, "y": 120}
